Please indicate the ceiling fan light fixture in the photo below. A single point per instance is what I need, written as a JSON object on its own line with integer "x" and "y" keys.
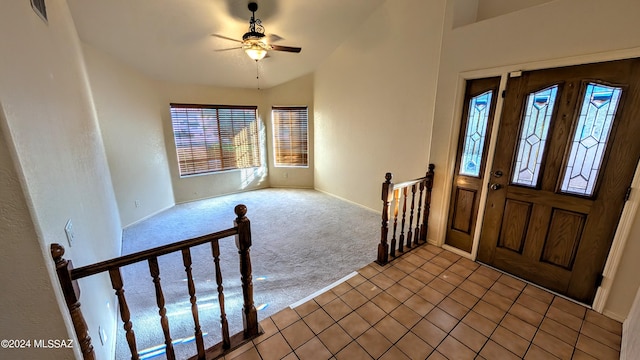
{"x": 254, "y": 41}
{"x": 256, "y": 52}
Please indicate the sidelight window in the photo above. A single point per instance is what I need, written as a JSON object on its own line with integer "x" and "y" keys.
{"x": 475, "y": 134}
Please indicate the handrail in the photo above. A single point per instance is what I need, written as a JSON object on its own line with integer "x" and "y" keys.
{"x": 397, "y": 194}
{"x": 147, "y": 254}
{"x": 68, "y": 277}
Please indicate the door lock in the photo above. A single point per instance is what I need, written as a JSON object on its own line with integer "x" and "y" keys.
{"x": 496, "y": 173}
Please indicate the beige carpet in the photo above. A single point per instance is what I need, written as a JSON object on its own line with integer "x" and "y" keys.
{"x": 303, "y": 241}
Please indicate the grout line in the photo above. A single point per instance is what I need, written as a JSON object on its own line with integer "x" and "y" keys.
{"x": 323, "y": 290}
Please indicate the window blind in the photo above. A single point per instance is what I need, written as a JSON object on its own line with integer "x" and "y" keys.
{"x": 211, "y": 138}
{"x": 290, "y": 136}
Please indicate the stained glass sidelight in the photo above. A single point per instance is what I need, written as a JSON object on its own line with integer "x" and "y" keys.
{"x": 533, "y": 136}
{"x": 597, "y": 112}
{"x": 475, "y": 134}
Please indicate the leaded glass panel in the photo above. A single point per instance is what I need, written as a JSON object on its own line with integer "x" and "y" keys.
{"x": 597, "y": 112}
{"x": 533, "y": 137}
{"x": 475, "y": 134}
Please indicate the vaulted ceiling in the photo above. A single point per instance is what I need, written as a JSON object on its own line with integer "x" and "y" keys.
{"x": 171, "y": 39}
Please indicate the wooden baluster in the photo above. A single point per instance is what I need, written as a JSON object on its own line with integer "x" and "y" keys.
{"x": 243, "y": 242}
{"x": 154, "y": 269}
{"x": 396, "y": 193}
{"x": 427, "y": 203}
{"x": 186, "y": 260}
{"x": 416, "y": 235}
{"x": 383, "y": 247}
{"x": 118, "y": 286}
{"x": 71, "y": 292}
{"x": 413, "y": 199}
{"x": 215, "y": 250}
{"x": 404, "y": 216}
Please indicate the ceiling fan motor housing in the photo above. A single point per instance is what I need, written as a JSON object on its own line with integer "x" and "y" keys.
{"x": 252, "y": 35}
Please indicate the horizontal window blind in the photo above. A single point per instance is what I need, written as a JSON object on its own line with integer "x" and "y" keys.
{"x": 290, "y": 136}
{"x": 211, "y": 138}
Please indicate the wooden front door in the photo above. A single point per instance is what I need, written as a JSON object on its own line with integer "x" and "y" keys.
{"x": 567, "y": 149}
{"x": 475, "y": 132}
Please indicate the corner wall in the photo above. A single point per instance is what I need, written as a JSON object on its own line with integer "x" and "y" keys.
{"x": 129, "y": 112}
{"x": 298, "y": 92}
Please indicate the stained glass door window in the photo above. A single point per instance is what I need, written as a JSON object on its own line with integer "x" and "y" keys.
{"x": 475, "y": 134}
{"x": 533, "y": 136}
{"x": 597, "y": 112}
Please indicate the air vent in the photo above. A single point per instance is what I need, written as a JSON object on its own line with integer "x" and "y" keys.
{"x": 40, "y": 8}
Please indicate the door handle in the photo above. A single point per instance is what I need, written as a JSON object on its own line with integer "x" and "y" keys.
{"x": 495, "y": 186}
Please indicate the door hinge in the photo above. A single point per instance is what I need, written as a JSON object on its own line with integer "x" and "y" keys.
{"x": 504, "y": 93}
{"x": 628, "y": 194}
{"x": 599, "y": 279}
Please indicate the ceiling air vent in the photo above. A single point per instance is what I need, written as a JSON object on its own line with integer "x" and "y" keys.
{"x": 40, "y": 8}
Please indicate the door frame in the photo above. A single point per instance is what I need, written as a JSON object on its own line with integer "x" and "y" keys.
{"x": 630, "y": 207}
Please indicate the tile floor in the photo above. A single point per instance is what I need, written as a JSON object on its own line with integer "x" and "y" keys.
{"x": 434, "y": 304}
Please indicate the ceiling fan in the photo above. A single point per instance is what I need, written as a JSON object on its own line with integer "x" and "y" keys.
{"x": 254, "y": 42}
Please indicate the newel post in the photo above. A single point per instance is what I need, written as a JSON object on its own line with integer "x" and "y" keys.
{"x": 427, "y": 203}
{"x": 243, "y": 242}
{"x": 71, "y": 292}
{"x": 383, "y": 247}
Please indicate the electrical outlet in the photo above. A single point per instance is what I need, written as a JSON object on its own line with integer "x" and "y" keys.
{"x": 137, "y": 203}
{"x": 68, "y": 229}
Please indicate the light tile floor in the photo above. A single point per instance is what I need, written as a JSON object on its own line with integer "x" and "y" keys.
{"x": 434, "y": 304}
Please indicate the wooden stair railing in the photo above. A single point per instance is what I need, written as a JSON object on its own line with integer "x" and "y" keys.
{"x": 68, "y": 277}
{"x": 397, "y": 195}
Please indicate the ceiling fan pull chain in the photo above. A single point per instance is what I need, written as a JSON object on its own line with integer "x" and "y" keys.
{"x": 257, "y": 74}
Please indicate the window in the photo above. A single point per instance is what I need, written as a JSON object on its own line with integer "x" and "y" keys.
{"x": 290, "y": 136}
{"x": 599, "y": 105}
{"x": 533, "y": 136}
{"x": 475, "y": 134}
{"x": 212, "y": 138}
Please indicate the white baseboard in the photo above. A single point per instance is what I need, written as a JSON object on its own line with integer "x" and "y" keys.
{"x": 323, "y": 290}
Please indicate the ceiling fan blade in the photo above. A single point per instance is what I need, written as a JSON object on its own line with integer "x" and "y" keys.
{"x": 227, "y": 49}
{"x": 286, "y": 48}
{"x": 226, "y": 38}
{"x": 271, "y": 38}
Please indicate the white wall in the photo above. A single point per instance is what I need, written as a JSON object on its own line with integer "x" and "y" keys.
{"x": 130, "y": 116}
{"x": 23, "y": 254}
{"x": 560, "y": 32}
{"x": 298, "y": 92}
{"x": 58, "y": 160}
{"x": 374, "y": 101}
{"x": 631, "y": 327}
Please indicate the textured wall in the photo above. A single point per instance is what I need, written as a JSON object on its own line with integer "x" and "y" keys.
{"x": 51, "y": 131}
{"x": 374, "y": 99}
{"x": 130, "y": 116}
